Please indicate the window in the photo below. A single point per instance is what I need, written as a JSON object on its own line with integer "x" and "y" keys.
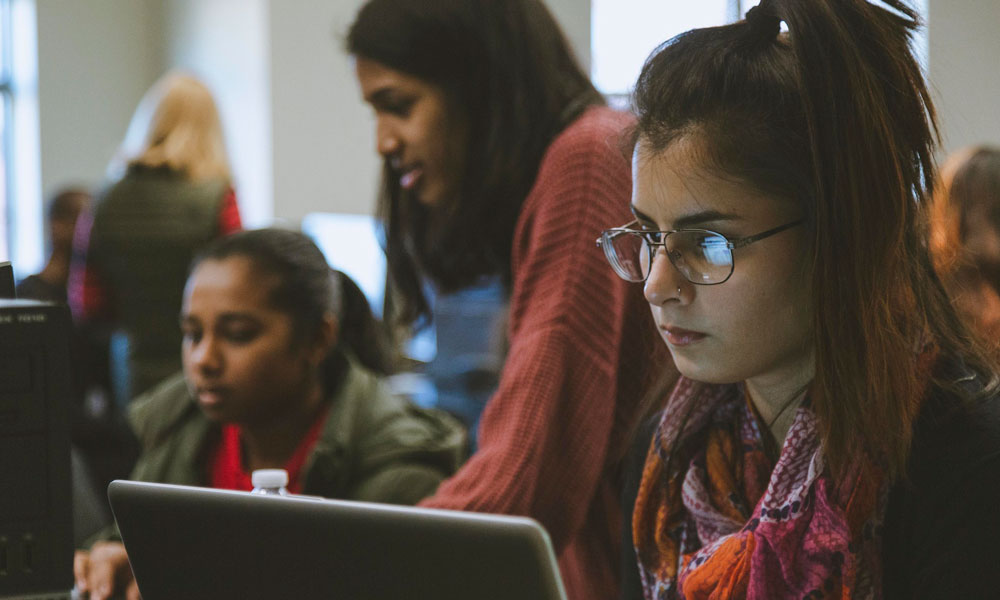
{"x": 6, "y": 118}
{"x": 625, "y": 32}
{"x": 20, "y": 181}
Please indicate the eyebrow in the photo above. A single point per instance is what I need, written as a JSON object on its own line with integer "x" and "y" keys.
{"x": 231, "y": 317}
{"x": 382, "y": 95}
{"x": 224, "y": 318}
{"x": 692, "y": 220}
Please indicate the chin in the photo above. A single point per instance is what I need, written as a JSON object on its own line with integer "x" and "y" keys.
{"x": 428, "y": 196}
{"x": 214, "y": 413}
{"x": 705, "y": 371}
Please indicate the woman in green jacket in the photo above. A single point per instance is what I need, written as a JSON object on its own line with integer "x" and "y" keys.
{"x": 281, "y": 370}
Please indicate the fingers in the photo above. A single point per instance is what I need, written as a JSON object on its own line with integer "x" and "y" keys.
{"x": 132, "y": 592}
{"x": 107, "y": 565}
{"x": 81, "y": 563}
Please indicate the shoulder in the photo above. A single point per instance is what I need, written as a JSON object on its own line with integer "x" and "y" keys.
{"x": 941, "y": 521}
{"x": 956, "y": 437}
{"x": 597, "y": 129}
{"x": 144, "y": 182}
{"x": 596, "y": 139}
{"x": 379, "y": 426}
{"x": 159, "y": 411}
{"x": 585, "y": 175}
{"x": 36, "y": 288}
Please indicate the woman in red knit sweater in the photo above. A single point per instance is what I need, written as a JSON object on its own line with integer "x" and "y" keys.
{"x": 502, "y": 160}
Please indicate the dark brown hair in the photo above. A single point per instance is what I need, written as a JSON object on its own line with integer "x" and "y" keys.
{"x": 833, "y": 115}
{"x": 510, "y": 76}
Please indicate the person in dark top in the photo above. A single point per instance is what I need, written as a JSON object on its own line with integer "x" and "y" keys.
{"x": 835, "y": 432}
{"x": 173, "y": 195}
{"x": 50, "y": 284}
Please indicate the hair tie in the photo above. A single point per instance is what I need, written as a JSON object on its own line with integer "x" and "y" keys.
{"x": 763, "y": 19}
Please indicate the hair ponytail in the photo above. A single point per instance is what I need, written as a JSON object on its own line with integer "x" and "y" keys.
{"x": 871, "y": 134}
{"x": 360, "y": 332}
{"x": 763, "y": 21}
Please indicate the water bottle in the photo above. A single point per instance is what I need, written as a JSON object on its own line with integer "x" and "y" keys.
{"x": 269, "y": 482}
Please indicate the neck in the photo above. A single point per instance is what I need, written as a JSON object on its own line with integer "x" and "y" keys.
{"x": 56, "y": 271}
{"x": 271, "y": 443}
{"x": 777, "y": 394}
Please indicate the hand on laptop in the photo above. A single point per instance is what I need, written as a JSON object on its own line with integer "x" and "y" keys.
{"x": 104, "y": 571}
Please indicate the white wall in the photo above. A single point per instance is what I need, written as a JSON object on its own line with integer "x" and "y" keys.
{"x": 324, "y": 157}
{"x": 574, "y": 17}
{"x": 95, "y": 60}
{"x": 226, "y": 44}
{"x": 964, "y": 47}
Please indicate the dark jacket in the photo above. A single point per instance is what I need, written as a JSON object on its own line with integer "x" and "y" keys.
{"x": 147, "y": 228}
{"x": 373, "y": 446}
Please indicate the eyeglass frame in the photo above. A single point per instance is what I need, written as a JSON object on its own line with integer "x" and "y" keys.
{"x": 650, "y": 245}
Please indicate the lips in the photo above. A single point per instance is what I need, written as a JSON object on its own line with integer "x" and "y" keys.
{"x": 409, "y": 174}
{"x": 409, "y": 179}
{"x": 211, "y": 395}
{"x": 677, "y": 336}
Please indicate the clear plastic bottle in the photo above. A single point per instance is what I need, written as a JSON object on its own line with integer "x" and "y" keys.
{"x": 269, "y": 482}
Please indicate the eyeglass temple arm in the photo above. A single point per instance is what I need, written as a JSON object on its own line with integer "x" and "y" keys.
{"x": 756, "y": 238}
{"x": 610, "y": 233}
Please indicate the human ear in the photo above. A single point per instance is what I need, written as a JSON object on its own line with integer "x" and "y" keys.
{"x": 325, "y": 339}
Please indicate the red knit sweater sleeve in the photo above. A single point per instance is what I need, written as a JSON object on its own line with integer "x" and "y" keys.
{"x": 546, "y": 434}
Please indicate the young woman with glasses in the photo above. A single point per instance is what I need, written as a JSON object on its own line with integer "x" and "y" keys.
{"x": 502, "y": 160}
{"x": 835, "y": 433}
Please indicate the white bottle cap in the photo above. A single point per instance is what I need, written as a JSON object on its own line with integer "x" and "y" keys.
{"x": 269, "y": 478}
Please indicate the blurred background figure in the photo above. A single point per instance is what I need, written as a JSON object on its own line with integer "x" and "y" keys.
{"x": 965, "y": 236}
{"x": 172, "y": 194}
{"x": 100, "y": 450}
{"x": 50, "y": 284}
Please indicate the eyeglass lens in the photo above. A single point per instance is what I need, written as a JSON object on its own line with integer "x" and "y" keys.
{"x": 702, "y": 257}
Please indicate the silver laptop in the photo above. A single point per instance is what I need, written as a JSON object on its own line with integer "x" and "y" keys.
{"x": 187, "y": 542}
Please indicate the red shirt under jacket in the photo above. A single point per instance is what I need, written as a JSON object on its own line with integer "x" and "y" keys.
{"x": 226, "y": 470}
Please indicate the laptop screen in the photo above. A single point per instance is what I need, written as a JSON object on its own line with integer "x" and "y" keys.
{"x": 186, "y": 542}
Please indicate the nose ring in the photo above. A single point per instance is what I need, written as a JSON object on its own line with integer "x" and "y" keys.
{"x": 678, "y": 290}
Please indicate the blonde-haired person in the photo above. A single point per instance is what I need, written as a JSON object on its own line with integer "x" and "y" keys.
{"x": 171, "y": 194}
{"x": 965, "y": 236}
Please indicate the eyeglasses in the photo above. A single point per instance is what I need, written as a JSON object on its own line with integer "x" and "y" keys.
{"x": 703, "y": 257}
